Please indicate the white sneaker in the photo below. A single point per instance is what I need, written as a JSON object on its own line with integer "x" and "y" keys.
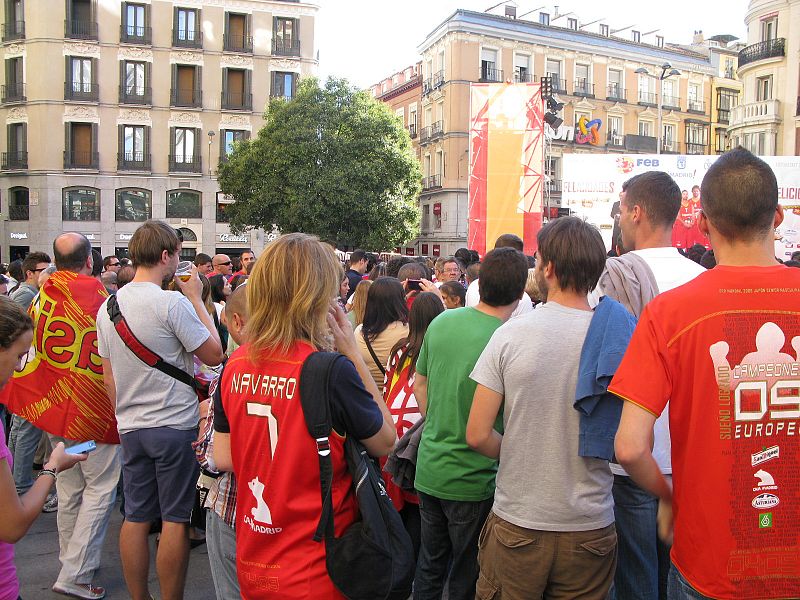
{"x": 51, "y": 504}
{"x": 87, "y": 591}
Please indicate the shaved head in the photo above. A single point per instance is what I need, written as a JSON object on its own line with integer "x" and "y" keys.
{"x": 72, "y": 251}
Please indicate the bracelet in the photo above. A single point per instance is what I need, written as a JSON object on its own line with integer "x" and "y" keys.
{"x": 51, "y": 472}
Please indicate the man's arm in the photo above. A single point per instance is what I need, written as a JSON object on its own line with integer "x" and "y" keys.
{"x": 108, "y": 380}
{"x": 209, "y": 352}
{"x": 421, "y": 392}
{"x": 481, "y": 435}
{"x": 633, "y": 448}
{"x": 222, "y": 451}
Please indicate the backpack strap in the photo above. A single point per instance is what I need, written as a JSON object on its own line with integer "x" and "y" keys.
{"x": 315, "y": 378}
{"x": 142, "y": 352}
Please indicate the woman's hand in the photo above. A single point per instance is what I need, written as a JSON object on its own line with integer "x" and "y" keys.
{"x": 61, "y": 461}
{"x": 429, "y": 286}
{"x": 343, "y": 337}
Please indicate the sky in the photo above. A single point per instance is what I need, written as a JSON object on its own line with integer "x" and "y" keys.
{"x": 367, "y": 41}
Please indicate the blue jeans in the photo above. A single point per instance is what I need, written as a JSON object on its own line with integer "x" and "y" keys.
{"x": 643, "y": 560}
{"x": 449, "y": 547}
{"x": 23, "y": 441}
{"x": 221, "y": 544}
{"x": 680, "y": 589}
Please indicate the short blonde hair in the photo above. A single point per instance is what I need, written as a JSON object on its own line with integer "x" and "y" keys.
{"x": 289, "y": 293}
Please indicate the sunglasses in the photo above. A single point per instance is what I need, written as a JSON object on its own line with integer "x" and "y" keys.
{"x": 37, "y": 270}
{"x": 224, "y": 264}
{"x": 114, "y": 264}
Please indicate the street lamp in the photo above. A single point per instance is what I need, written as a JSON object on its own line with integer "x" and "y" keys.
{"x": 666, "y": 72}
{"x": 210, "y": 139}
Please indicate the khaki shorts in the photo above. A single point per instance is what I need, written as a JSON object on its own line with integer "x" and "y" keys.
{"x": 522, "y": 563}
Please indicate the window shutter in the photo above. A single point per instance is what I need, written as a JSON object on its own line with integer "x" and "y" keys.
{"x": 67, "y": 144}
{"x": 248, "y": 26}
{"x": 121, "y": 80}
{"x": 147, "y": 84}
{"x": 248, "y": 84}
{"x": 294, "y": 86}
{"x": 197, "y": 146}
{"x": 172, "y": 152}
{"x": 175, "y": 26}
{"x": 68, "y": 71}
{"x": 120, "y": 145}
{"x": 221, "y": 145}
{"x": 9, "y": 72}
{"x": 246, "y": 135}
{"x": 198, "y": 86}
{"x": 199, "y": 31}
{"x": 228, "y": 25}
{"x": 12, "y": 143}
{"x": 224, "y": 86}
{"x": 124, "y": 19}
{"x": 94, "y": 71}
{"x": 174, "y": 85}
{"x": 147, "y": 19}
{"x": 146, "y": 149}
{"x": 95, "y": 155}
{"x": 69, "y": 11}
{"x": 24, "y": 137}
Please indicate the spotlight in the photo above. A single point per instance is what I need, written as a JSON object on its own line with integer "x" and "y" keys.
{"x": 553, "y": 120}
{"x": 554, "y": 105}
{"x": 547, "y": 87}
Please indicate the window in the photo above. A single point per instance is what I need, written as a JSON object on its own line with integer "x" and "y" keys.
{"x": 185, "y": 146}
{"x": 135, "y": 27}
{"x": 134, "y": 147}
{"x": 437, "y": 215}
{"x": 186, "y": 89}
{"x": 439, "y": 162}
{"x": 637, "y": 36}
{"x": 283, "y": 85}
{"x": 238, "y": 33}
{"x": 236, "y": 89}
{"x": 134, "y": 80}
{"x": 615, "y": 86}
{"x": 572, "y": 23}
{"x": 647, "y": 90}
{"x": 184, "y": 204}
{"x": 223, "y": 202}
{"x": 660, "y": 41}
{"x": 553, "y": 68}
{"x": 696, "y": 138}
{"x": 580, "y": 115}
{"x": 229, "y": 137}
{"x": 80, "y": 146}
{"x": 81, "y": 83}
{"x": 764, "y": 88}
{"x": 669, "y": 98}
{"x": 427, "y": 166}
{"x": 769, "y": 29}
{"x": 669, "y": 141}
{"x": 426, "y": 217}
{"x": 81, "y": 204}
{"x": 133, "y": 205}
{"x": 14, "y": 90}
{"x": 729, "y": 68}
{"x": 544, "y": 18}
{"x": 582, "y": 84}
{"x": 646, "y": 128}
{"x": 726, "y": 100}
{"x": 721, "y": 140}
{"x": 17, "y": 140}
{"x": 18, "y": 204}
{"x": 81, "y": 22}
{"x": 695, "y": 98}
{"x": 186, "y": 28}
{"x": 489, "y": 70}
{"x": 615, "y": 130}
{"x": 522, "y": 72}
{"x": 604, "y": 31}
{"x": 14, "y": 28}
{"x": 285, "y": 39}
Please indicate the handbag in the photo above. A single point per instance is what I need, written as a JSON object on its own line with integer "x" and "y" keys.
{"x": 374, "y": 558}
{"x": 147, "y": 356}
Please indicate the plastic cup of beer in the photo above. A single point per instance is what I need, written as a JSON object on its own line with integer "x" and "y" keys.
{"x": 184, "y": 270}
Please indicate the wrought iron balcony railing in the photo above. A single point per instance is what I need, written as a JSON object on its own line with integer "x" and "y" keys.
{"x": 768, "y": 49}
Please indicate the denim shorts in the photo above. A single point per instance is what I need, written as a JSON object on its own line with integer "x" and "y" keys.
{"x": 159, "y": 474}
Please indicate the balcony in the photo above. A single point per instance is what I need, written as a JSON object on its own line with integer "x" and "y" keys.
{"x": 763, "y": 112}
{"x": 671, "y": 102}
{"x": 697, "y": 107}
{"x": 769, "y": 49}
{"x": 647, "y": 98}
{"x": 14, "y": 92}
{"x": 434, "y": 182}
{"x": 615, "y": 140}
{"x": 427, "y": 86}
{"x": 185, "y": 164}
{"x": 81, "y": 92}
{"x": 522, "y": 77}
{"x": 183, "y": 38}
{"x": 281, "y": 47}
{"x": 425, "y": 135}
{"x": 189, "y": 98}
{"x": 695, "y": 148}
{"x": 437, "y": 130}
{"x": 559, "y": 85}
{"x": 669, "y": 146}
{"x": 438, "y": 79}
{"x": 582, "y": 87}
{"x": 237, "y": 43}
{"x": 616, "y": 93}
{"x": 132, "y": 34}
{"x": 14, "y": 160}
{"x": 133, "y": 161}
{"x": 237, "y": 101}
{"x": 18, "y": 212}
{"x": 412, "y": 131}
{"x": 77, "y": 159}
{"x": 13, "y": 30}
{"x": 552, "y": 185}
{"x": 723, "y": 115}
{"x": 135, "y": 95}
{"x": 489, "y": 75}
{"x": 641, "y": 143}
{"x": 80, "y": 30}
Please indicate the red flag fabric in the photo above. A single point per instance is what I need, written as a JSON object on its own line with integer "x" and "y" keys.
{"x": 61, "y": 389}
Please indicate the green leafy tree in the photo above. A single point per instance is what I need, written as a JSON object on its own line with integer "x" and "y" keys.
{"x": 333, "y": 162}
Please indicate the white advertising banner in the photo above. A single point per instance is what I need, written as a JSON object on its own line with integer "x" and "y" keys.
{"x": 591, "y": 184}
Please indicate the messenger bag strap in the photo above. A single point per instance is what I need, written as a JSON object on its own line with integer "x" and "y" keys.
{"x": 374, "y": 356}
{"x": 315, "y": 400}
{"x": 142, "y": 352}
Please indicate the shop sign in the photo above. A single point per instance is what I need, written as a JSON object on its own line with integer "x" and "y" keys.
{"x": 232, "y": 238}
{"x": 19, "y": 236}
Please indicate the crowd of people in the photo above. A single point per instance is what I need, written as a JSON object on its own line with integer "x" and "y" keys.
{"x": 574, "y": 424}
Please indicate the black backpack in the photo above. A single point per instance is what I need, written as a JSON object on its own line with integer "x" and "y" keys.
{"x": 374, "y": 559}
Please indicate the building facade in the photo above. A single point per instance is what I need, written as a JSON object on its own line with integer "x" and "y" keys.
{"x": 596, "y": 72}
{"x": 767, "y": 121}
{"x": 117, "y": 112}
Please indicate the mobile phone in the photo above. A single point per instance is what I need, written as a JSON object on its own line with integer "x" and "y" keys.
{"x": 83, "y": 448}
{"x": 413, "y": 284}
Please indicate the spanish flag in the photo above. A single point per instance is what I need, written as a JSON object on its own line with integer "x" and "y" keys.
{"x": 61, "y": 389}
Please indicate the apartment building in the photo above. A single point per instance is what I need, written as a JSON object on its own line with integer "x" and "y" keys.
{"x": 613, "y": 76}
{"x": 117, "y": 112}
{"x": 767, "y": 121}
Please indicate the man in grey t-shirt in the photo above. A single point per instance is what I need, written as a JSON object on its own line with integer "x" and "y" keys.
{"x": 551, "y": 529}
{"x": 157, "y": 415}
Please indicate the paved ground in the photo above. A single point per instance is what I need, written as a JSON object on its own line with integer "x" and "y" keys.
{"x": 38, "y": 566}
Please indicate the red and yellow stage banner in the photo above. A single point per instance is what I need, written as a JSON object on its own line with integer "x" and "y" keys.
{"x": 61, "y": 389}
{"x": 506, "y": 137}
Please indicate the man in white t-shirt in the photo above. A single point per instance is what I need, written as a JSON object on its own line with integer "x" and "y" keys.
{"x": 507, "y": 240}
{"x": 649, "y": 204}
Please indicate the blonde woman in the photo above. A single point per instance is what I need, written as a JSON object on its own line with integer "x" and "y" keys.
{"x": 356, "y": 314}
{"x": 260, "y": 431}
